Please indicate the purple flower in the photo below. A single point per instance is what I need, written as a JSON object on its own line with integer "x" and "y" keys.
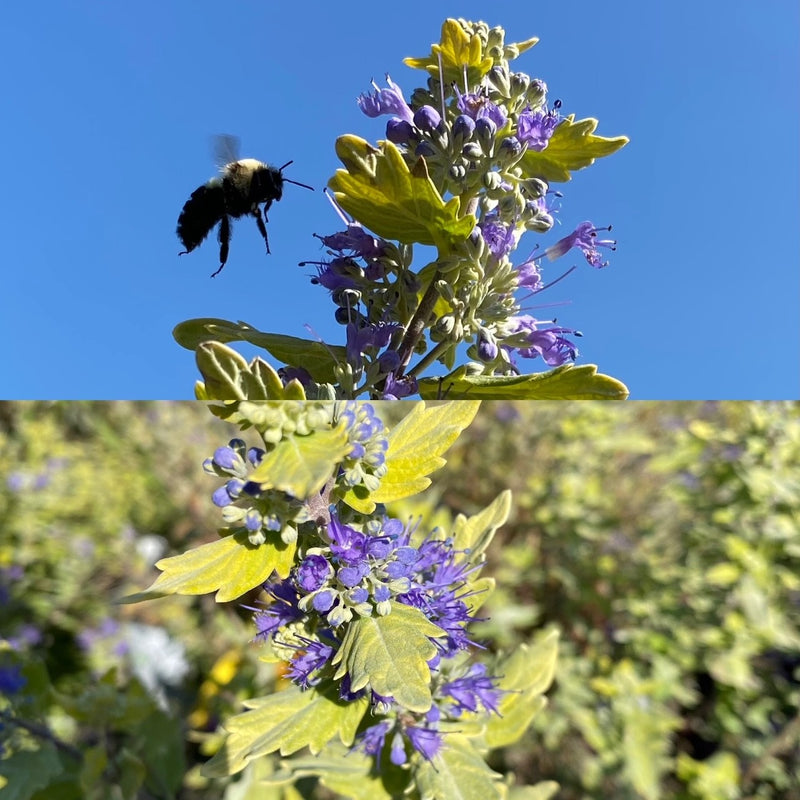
{"x": 347, "y": 543}
{"x": 281, "y": 611}
{"x": 362, "y": 338}
{"x": 536, "y": 127}
{"x": 313, "y": 572}
{"x": 478, "y": 106}
{"x": 228, "y": 458}
{"x": 529, "y": 276}
{"x": 315, "y": 656}
{"x": 323, "y": 601}
{"x": 11, "y": 679}
{"x": 498, "y": 236}
{"x": 398, "y": 388}
{"x": 426, "y": 741}
{"x": 549, "y": 343}
{"x": 463, "y": 127}
{"x": 385, "y": 101}
{"x": 373, "y": 738}
{"x": 585, "y": 238}
{"x": 474, "y": 690}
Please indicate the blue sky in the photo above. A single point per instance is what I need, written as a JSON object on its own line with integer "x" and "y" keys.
{"x": 109, "y": 108}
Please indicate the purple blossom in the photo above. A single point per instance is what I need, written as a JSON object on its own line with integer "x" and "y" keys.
{"x": 315, "y": 656}
{"x": 498, "y": 236}
{"x": 313, "y": 572}
{"x": 477, "y": 105}
{"x": 347, "y": 543}
{"x": 398, "y": 388}
{"x": 426, "y": 741}
{"x": 385, "y": 101}
{"x": 11, "y": 679}
{"x": 373, "y": 738}
{"x": 535, "y": 128}
{"x": 585, "y": 238}
{"x": 529, "y": 276}
{"x": 473, "y": 691}
{"x": 549, "y": 343}
{"x": 323, "y": 601}
{"x": 362, "y": 338}
{"x": 281, "y": 611}
{"x": 355, "y": 240}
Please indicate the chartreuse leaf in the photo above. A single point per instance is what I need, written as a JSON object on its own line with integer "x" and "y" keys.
{"x": 544, "y": 790}
{"x": 287, "y": 722}
{"x": 416, "y": 445}
{"x": 316, "y": 358}
{"x": 458, "y": 50}
{"x": 351, "y": 773}
{"x": 473, "y": 534}
{"x": 389, "y": 655}
{"x": 527, "y": 673}
{"x": 301, "y": 465}
{"x": 380, "y": 191}
{"x": 230, "y": 567}
{"x": 572, "y": 146}
{"x": 459, "y": 772}
{"x": 568, "y": 382}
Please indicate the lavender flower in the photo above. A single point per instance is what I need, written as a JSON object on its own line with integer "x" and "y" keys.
{"x": 585, "y": 238}
{"x": 386, "y": 101}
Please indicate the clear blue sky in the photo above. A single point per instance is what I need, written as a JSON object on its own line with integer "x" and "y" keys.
{"x": 108, "y": 109}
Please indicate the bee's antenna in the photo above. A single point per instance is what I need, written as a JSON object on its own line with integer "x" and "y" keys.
{"x": 297, "y": 183}
{"x": 288, "y": 180}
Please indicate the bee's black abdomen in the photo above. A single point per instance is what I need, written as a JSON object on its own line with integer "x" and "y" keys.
{"x": 203, "y": 210}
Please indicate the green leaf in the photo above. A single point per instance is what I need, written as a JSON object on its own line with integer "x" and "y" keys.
{"x": 544, "y": 790}
{"x": 380, "y": 191}
{"x": 568, "y": 382}
{"x": 526, "y": 674}
{"x": 230, "y": 566}
{"x": 27, "y": 771}
{"x": 416, "y": 445}
{"x": 476, "y": 532}
{"x": 389, "y": 655}
{"x": 317, "y": 358}
{"x": 301, "y": 465}
{"x": 224, "y": 372}
{"x": 458, "y": 773}
{"x": 458, "y": 50}
{"x": 572, "y": 146}
{"x": 287, "y": 722}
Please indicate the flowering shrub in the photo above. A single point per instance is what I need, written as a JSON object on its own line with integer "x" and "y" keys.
{"x": 466, "y": 167}
{"x": 368, "y": 614}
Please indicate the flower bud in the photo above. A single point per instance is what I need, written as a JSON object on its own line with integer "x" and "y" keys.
{"x": 485, "y": 131}
{"x": 427, "y": 119}
{"x": 472, "y": 151}
{"x": 519, "y": 84}
{"x": 399, "y": 131}
{"x": 536, "y": 93}
{"x": 498, "y": 77}
{"x": 463, "y": 128}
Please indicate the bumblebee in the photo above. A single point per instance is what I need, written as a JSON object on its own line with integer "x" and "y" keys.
{"x": 240, "y": 189}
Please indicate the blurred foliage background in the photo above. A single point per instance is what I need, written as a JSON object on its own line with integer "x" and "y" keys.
{"x": 661, "y": 539}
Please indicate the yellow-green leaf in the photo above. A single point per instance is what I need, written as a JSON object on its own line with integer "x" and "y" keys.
{"x": 301, "y": 465}
{"x": 317, "y": 358}
{"x": 458, "y": 773}
{"x": 394, "y": 202}
{"x": 572, "y": 146}
{"x": 473, "y": 534}
{"x": 230, "y": 566}
{"x": 286, "y": 721}
{"x": 568, "y": 382}
{"x": 389, "y": 655}
{"x": 416, "y": 446}
{"x": 458, "y": 50}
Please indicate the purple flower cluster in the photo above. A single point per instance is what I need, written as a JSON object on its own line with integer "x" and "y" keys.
{"x": 362, "y": 573}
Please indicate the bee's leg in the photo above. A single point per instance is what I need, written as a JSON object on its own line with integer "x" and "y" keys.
{"x": 261, "y": 226}
{"x": 224, "y": 236}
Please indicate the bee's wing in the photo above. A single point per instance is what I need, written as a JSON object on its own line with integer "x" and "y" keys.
{"x": 226, "y": 149}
